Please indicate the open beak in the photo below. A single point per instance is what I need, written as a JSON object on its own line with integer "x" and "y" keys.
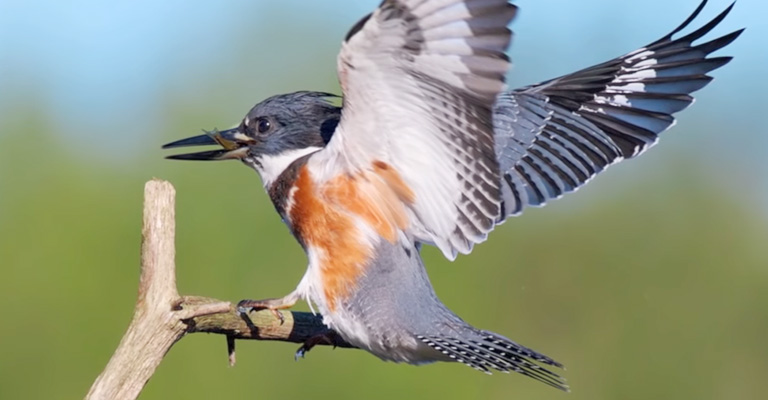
{"x": 235, "y": 146}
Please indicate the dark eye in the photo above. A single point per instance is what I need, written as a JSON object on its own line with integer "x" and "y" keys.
{"x": 263, "y": 125}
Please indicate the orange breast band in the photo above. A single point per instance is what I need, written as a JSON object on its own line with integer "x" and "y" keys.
{"x": 326, "y": 216}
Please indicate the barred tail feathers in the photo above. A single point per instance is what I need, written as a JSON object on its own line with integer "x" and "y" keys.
{"x": 489, "y": 351}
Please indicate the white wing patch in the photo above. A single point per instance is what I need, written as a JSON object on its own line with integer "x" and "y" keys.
{"x": 419, "y": 81}
{"x": 552, "y": 138}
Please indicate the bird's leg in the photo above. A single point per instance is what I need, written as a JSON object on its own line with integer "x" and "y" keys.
{"x": 274, "y": 305}
{"x": 328, "y": 337}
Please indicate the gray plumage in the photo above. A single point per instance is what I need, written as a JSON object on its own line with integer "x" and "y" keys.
{"x": 406, "y": 322}
{"x": 298, "y": 120}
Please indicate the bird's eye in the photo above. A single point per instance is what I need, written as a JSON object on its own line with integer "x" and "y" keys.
{"x": 263, "y": 125}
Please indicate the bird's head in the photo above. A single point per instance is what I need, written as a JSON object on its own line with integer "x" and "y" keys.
{"x": 274, "y": 134}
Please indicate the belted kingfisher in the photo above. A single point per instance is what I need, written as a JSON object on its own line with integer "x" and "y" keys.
{"x": 429, "y": 147}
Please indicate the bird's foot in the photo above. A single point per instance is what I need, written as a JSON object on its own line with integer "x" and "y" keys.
{"x": 328, "y": 337}
{"x": 273, "y": 305}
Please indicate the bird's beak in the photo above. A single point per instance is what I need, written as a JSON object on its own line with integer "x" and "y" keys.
{"x": 235, "y": 146}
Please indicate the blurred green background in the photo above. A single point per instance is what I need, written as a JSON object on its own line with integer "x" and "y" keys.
{"x": 650, "y": 283}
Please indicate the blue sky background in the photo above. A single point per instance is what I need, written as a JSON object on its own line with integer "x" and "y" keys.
{"x": 95, "y": 62}
{"x": 103, "y": 73}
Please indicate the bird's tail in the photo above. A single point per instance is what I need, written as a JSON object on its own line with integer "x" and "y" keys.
{"x": 488, "y": 351}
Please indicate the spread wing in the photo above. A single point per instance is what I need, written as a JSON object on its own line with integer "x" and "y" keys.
{"x": 553, "y": 137}
{"x": 420, "y": 78}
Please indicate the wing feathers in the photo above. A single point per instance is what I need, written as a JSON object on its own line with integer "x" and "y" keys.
{"x": 419, "y": 80}
{"x": 577, "y": 125}
{"x": 422, "y": 82}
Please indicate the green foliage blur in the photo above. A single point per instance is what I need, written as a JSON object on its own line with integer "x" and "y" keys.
{"x": 650, "y": 283}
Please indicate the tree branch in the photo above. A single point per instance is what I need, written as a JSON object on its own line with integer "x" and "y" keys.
{"x": 162, "y": 317}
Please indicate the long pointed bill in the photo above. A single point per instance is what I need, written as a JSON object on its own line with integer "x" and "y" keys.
{"x": 234, "y": 143}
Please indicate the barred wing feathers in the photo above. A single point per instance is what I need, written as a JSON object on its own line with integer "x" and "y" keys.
{"x": 553, "y": 137}
{"x": 419, "y": 80}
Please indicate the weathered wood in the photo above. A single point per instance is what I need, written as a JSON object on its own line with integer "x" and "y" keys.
{"x": 162, "y": 317}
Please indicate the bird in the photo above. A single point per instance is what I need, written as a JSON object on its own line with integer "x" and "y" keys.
{"x": 429, "y": 147}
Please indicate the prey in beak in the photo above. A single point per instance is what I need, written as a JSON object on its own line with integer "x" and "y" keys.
{"x": 235, "y": 146}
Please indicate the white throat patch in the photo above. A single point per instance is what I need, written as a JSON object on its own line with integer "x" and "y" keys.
{"x": 274, "y": 165}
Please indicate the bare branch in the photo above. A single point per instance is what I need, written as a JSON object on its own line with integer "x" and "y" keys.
{"x": 298, "y": 327}
{"x": 162, "y": 317}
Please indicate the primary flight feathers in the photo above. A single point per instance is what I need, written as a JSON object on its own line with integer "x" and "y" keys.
{"x": 552, "y": 137}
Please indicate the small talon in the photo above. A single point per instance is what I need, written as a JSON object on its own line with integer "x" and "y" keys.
{"x": 273, "y": 305}
{"x": 279, "y": 315}
{"x": 329, "y": 337}
{"x": 244, "y": 306}
{"x": 300, "y": 353}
